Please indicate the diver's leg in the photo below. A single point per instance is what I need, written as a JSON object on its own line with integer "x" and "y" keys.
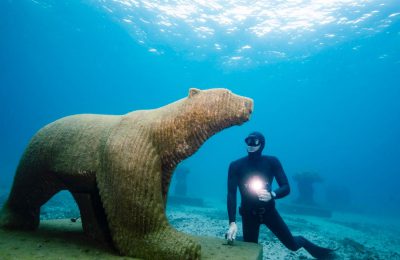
{"x": 314, "y": 250}
{"x": 251, "y": 228}
{"x": 276, "y": 224}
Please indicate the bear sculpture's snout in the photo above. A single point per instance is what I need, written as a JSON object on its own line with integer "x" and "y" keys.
{"x": 248, "y": 108}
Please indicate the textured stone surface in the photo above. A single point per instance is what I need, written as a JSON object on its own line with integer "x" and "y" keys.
{"x": 118, "y": 168}
{"x": 62, "y": 239}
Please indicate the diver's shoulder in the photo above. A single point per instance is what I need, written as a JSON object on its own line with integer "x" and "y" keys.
{"x": 270, "y": 158}
{"x": 239, "y": 161}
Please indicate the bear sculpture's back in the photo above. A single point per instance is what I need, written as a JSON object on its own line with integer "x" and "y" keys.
{"x": 118, "y": 168}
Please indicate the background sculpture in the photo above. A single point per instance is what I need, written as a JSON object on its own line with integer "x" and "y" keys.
{"x": 305, "y": 185}
{"x": 181, "y": 181}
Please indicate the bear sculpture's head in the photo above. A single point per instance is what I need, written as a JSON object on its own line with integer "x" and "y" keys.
{"x": 186, "y": 124}
{"x": 219, "y": 108}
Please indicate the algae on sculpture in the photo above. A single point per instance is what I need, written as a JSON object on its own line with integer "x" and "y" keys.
{"x": 118, "y": 168}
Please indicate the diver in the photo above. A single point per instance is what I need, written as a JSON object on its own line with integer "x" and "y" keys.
{"x": 253, "y": 175}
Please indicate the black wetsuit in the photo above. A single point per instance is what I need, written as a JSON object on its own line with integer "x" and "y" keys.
{"x": 255, "y": 212}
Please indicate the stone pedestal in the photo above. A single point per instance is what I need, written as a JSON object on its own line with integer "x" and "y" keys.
{"x": 63, "y": 239}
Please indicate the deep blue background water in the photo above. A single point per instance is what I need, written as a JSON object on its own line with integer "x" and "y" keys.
{"x": 334, "y": 110}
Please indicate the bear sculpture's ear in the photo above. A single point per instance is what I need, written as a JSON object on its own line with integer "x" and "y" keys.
{"x": 193, "y": 91}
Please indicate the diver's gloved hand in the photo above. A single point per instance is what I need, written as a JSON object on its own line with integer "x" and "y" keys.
{"x": 264, "y": 195}
{"x": 231, "y": 234}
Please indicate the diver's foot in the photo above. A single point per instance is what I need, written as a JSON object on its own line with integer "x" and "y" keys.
{"x": 323, "y": 253}
{"x": 317, "y": 252}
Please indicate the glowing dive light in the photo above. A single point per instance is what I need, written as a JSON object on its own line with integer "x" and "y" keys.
{"x": 256, "y": 184}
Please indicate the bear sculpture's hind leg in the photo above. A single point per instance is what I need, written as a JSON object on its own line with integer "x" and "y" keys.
{"x": 32, "y": 188}
{"x": 93, "y": 217}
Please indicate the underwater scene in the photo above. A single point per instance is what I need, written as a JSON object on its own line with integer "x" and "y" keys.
{"x": 217, "y": 129}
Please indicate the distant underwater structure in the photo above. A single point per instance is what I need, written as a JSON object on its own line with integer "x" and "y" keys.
{"x": 180, "y": 196}
{"x": 181, "y": 173}
{"x": 305, "y": 185}
{"x": 118, "y": 169}
{"x": 305, "y": 203}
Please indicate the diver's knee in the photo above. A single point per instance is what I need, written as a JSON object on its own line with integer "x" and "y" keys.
{"x": 295, "y": 244}
{"x": 292, "y": 247}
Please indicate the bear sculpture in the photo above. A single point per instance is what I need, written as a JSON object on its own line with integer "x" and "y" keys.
{"x": 118, "y": 169}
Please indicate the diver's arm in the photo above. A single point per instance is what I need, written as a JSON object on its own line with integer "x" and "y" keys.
{"x": 231, "y": 199}
{"x": 280, "y": 176}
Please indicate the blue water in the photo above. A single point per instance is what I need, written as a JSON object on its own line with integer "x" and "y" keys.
{"x": 324, "y": 78}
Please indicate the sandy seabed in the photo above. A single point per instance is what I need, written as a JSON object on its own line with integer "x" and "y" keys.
{"x": 354, "y": 236}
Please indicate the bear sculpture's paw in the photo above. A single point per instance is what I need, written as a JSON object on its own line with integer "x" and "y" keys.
{"x": 168, "y": 244}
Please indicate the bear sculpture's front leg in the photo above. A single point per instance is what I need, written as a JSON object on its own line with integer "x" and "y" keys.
{"x": 131, "y": 193}
{"x": 168, "y": 243}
